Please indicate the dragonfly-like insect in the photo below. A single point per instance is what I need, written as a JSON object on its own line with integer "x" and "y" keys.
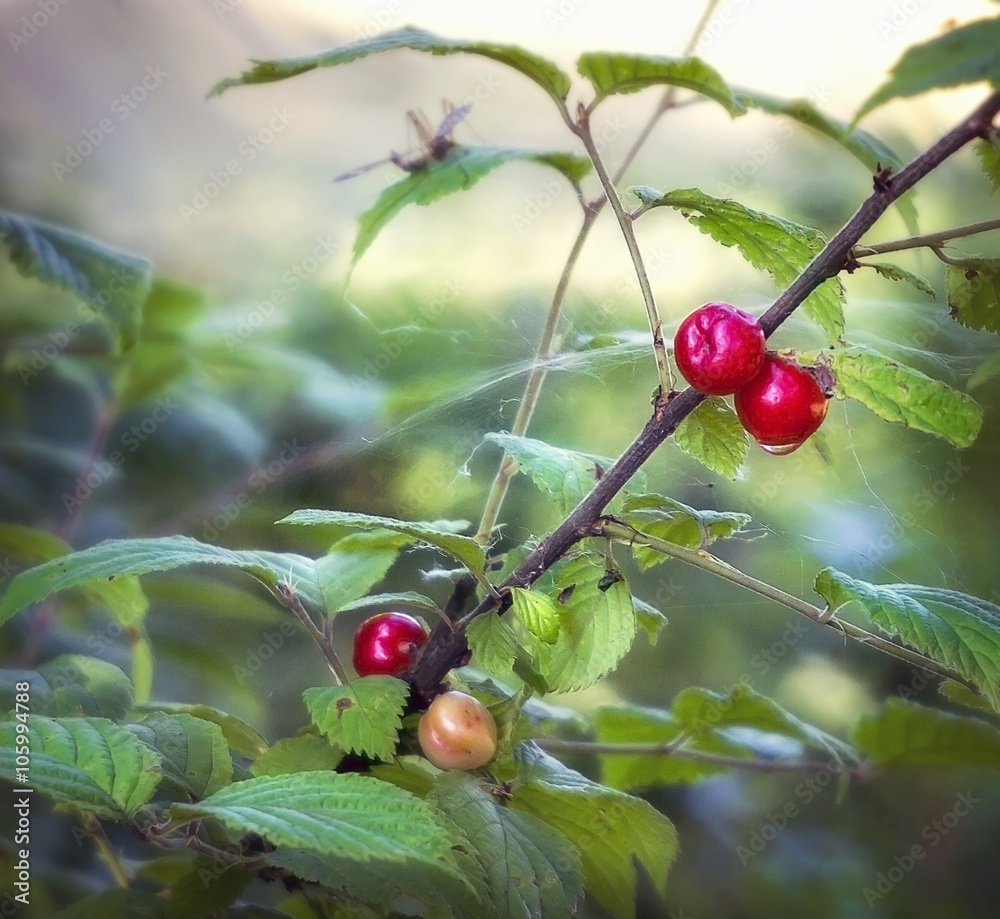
{"x": 434, "y": 146}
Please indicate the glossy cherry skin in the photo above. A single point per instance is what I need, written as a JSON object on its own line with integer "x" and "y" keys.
{"x": 457, "y": 732}
{"x": 386, "y": 643}
{"x": 719, "y": 349}
{"x": 782, "y": 406}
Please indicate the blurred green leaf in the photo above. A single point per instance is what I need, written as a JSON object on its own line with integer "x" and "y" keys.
{"x": 955, "y": 629}
{"x": 528, "y": 867}
{"x": 364, "y": 716}
{"x": 438, "y": 533}
{"x": 713, "y": 435}
{"x": 615, "y": 833}
{"x": 458, "y": 171}
{"x": 536, "y": 68}
{"x": 988, "y": 369}
{"x": 905, "y": 734}
{"x": 205, "y": 891}
{"x": 906, "y": 396}
{"x": 968, "y": 53}
{"x": 613, "y": 74}
{"x": 116, "y": 902}
{"x": 973, "y": 286}
{"x": 405, "y": 600}
{"x": 781, "y": 248}
{"x": 354, "y": 565}
{"x": 113, "y": 284}
{"x": 895, "y": 273}
{"x": 90, "y": 764}
{"x": 72, "y": 685}
{"x": 194, "y": 755}
{"x": 116, "y": 557}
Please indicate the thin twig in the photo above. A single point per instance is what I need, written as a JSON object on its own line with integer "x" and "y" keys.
{"x": 927, "y": 240}
{"x": 289, "y": 598}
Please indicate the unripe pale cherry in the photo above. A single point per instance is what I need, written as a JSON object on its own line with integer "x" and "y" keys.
{"x": 385, "y": 644}
{"x": 457, "y": 732}
{"x": 719, "y": 349}
{"x": 782, "y": 406}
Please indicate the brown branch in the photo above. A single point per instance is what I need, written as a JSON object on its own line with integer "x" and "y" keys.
{"x": 445, "y": 648}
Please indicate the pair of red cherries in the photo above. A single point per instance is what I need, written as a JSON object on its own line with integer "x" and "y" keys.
{"x": 721, "y": 351}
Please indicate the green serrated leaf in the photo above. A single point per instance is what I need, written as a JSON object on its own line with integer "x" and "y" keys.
{"x": 906, "y": 396}
{"x": 874, "y": 153}
{"x": 364, "y": 716}
{"x": 905, "y": 734}
{"x": 116, "y": 557}
{"x": 955, "y": 629}
{"x": 91, "y": 764}
{"x": 529, "y": 869}
{"x": 497, "y": 650}
{"x": 354, "y": 565}
{"x": 895, "y": 273}
{"x": 567, "y": 475}
{"x": 649, "y": 619}
{"x": 973, "y": 286}
{"x": 403, "y": 600}
{"x": 113, "y": 284}
{"x": 613, "y": 74}
{"x": 72, "y": 685}
{"x": 536, "y": 68}
{"x": 122, "y": 597}
{"x": 328, "y": 813}
{"x": 241, "y": 737}
{"x": 672, "y": 521}
{"x": 779, "y": 247}
{"x": 538, "y": 613}
{"x": 442, "y": 534}
{"x": 206, "y": 890}
{"x": 304, "y": 753}
{"x": 956, "y": 692}
{"x": 194, "y": 755}
{"x": 613, "y": 832}
{"x": 597, "y": 626}
{"x": 462, "y": 168}
{"x": 966, "y": 54}
{"x": 713, "y": 435}
{"x": 988, "y": 152}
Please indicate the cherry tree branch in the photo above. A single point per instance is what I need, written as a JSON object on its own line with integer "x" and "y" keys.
{"x": 445, "y": 647}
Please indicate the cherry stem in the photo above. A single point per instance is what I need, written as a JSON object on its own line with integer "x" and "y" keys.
{"x": 928, "y": 240}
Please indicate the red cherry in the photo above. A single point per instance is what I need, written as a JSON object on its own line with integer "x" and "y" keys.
{"x": 386, "y": 643}
{"x": 457, "y": 732}
{"x": 719, "y": 349}
{"x": 782, "y": 406}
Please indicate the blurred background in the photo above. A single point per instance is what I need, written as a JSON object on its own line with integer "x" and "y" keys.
{"x": 285, "y": 389}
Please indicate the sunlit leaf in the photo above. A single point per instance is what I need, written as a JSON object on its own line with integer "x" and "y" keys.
{"x": 613, "y": 74}
{"x": 538, "y": 613}
{"x": 973, "y": 286}
{"x": 988, "y": 152}
{"x": 779, "y": 247}
{"x": 905, "y": 734}
{"x": 955, "y": 629}
{"x": 713, "y": 435}
{"x": 895, "y": 273}
{"x": 906, "y": 396}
